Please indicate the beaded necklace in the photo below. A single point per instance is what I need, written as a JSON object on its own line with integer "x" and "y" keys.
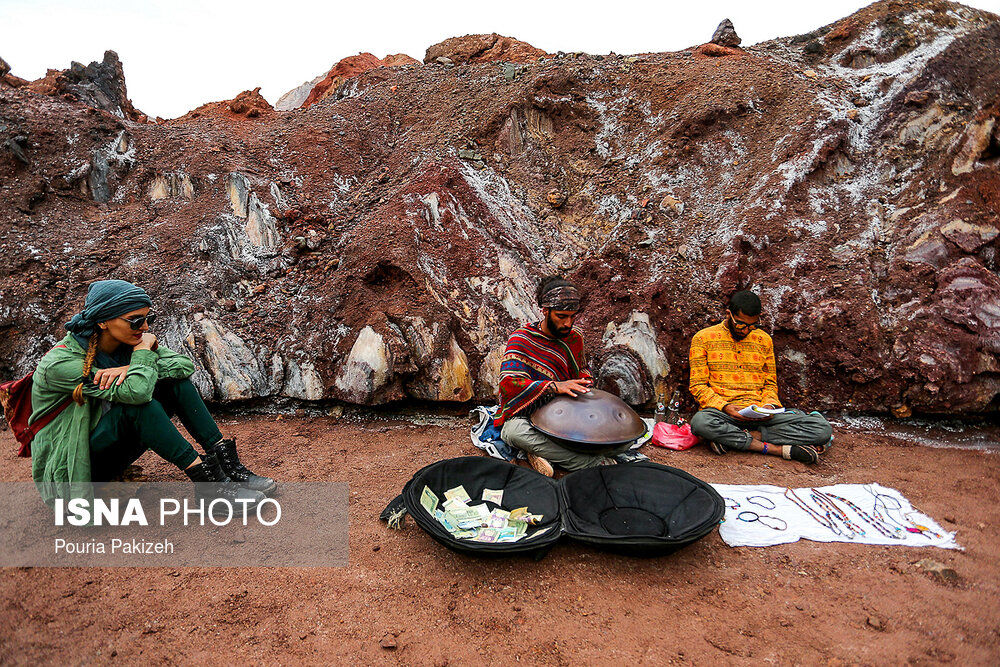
{"x": 878, "y": 524}
{"x": 816, "y": 516}
{"x": 834, "y": 513}
{"x": 760, "y": 519}
{"x": 913, "y": 526}
{"x": 756, "y": 500}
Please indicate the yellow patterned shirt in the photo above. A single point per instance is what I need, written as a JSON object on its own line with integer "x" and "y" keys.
{"x": 724, "y": 370}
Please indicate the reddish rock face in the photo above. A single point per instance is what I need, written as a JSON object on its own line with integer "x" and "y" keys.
{"x": 349, "y": 68}
{"x": 382, "y": 245}
{"x": 483, "y": 48}
{"x": 250, "y": 103}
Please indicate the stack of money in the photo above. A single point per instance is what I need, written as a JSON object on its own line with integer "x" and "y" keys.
{"x": 478, "y": 522}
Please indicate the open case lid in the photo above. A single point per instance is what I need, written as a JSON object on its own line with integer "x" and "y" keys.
{"x": 640, "y": 509}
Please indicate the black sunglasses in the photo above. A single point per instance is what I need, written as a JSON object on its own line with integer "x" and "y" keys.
{"x": 135, "y": 323}
{"x": 743, "y": 325}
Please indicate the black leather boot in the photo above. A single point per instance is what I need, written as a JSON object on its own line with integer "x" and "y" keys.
{"x": 225, "y": 451}
{"x": 212, "y": 482}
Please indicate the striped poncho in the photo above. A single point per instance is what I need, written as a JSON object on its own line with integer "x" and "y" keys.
{"x": 531, "y": 363}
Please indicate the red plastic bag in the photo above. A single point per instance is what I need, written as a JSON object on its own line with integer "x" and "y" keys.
{"x": 673, "y": 436}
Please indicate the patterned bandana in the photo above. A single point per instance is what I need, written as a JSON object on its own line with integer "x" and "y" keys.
{"x": 563, "y": 297}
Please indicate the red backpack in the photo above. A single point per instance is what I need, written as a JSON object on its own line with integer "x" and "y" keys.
{"x": 15, "y": 396}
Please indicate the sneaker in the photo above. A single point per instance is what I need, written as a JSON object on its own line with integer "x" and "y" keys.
{"x": 717, "y": 448}
{"x": 541, "y": 465}
{"x": 630, "y": 457}
{"x": 800, "y": 453}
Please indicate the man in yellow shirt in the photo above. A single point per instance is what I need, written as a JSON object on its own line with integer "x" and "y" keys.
{"x": 732, "y": 367}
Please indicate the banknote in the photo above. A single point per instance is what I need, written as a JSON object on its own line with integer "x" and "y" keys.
{"x": 493, "y": 495}
{"x": 487, "y": 535}
{"x": 454, "y": 503}
{"x": 509, "y": 534}
{"x": 520, "y": 526}
{"x": 539, "y": 533}
{"x": 519, "y": 513}
{"x": 458, "y": 492}
{"x": 428, "y": 500}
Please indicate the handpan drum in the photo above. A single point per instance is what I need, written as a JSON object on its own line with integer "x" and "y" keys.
{"x": 590, "y": 422}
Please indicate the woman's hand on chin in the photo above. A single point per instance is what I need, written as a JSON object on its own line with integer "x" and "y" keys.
{"x": 148, "y": 342}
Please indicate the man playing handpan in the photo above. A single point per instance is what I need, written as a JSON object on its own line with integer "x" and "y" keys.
{"x": 732, "y": 367}
{"x": 542, "y": 360}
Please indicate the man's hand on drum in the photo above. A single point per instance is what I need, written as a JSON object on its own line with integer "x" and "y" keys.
{"x": 573, "y": 387}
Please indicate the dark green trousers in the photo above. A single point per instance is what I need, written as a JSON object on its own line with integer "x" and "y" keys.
{"x": 125, "y": 432}
{"x": 791, "y": 427}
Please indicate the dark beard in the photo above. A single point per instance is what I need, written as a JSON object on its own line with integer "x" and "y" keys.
{"x": 551, "y": 326}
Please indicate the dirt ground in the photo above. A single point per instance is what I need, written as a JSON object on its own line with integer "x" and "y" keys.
{"x": 798, "y": 603}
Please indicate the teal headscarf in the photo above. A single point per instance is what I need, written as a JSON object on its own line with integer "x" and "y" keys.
{"x": 106, "y": 300}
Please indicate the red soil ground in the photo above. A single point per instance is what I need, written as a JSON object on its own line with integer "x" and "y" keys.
{"x": 798, "y": 603}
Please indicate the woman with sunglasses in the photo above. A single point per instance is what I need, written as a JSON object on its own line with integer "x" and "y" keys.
{"x": 125, "y": 388}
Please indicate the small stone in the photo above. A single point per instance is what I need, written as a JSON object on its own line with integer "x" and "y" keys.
{"x": 228, "y": 304}
{"x": 556, "y": 198}
{"x": 672, "y": 204}
{"x": 388, "y": 642}
{"x": 376, "y": 547}
{"x": 853, "y": 114}
{"x": 813, "y": 47}
{"x": 901, "y": 411}
{"x": 939, "y": 570}
{"x": 860, "y": 102}
{"x": 444, "y": 60}
{"x": 875, "y": 623}
{"x": 725, "y": 35}
{"x": 810, "y": 73}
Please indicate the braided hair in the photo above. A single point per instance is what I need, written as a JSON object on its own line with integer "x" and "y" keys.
{"x": 88, "y": 361}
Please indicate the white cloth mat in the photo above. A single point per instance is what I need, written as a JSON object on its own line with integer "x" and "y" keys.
{"x": 895, "y": 509}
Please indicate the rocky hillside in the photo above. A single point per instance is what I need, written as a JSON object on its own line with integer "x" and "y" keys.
{"x": 381, "y": 242}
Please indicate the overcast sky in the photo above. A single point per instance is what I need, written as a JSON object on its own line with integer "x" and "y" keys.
{"x": 180, "y": 54}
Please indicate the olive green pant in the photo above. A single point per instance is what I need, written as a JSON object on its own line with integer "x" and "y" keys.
{"x": 125, "y": 432}
{"x": 791, "y": 427}
{"x": 518, "y": 432}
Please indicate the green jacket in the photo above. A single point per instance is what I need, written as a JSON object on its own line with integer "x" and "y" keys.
{"x": 60, "y": 452}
